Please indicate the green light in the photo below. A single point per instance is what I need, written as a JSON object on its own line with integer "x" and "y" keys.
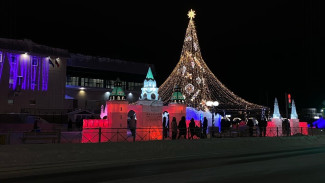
{"x": 149, "y": 74}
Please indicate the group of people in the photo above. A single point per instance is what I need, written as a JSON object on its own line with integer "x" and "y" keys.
{"x": 260, "y": 126}
{"x": 242, "y": 125}
{"x": 180, "y": 129}
{"x": 194, "y": 130}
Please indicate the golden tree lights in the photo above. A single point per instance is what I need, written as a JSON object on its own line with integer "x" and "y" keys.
{"x": 197, "y": 82}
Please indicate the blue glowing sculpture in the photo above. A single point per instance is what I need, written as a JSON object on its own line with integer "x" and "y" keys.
{"x": 149, "y": 90}
{"x": 294, "y": 114}
{"x": 276, "y": 113}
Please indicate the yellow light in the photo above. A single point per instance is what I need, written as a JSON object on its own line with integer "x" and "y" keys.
{"x": 82, "y": 93}
{"x": 191, "y": 14}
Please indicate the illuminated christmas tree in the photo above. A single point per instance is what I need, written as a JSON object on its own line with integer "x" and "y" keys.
{"x": 196, "y": 80}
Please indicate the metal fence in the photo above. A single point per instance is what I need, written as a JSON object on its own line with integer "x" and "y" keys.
{"x": 107, "y": 135}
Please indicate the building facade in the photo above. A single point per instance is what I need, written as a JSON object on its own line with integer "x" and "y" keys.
{"x": 41, "y": 80}
{"x": 148, "y": 114}
{"x": 90, "y": 80}
{"x": 32, "y": 77}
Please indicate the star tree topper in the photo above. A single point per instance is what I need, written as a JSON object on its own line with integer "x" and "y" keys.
{"x": 191, "y": 14}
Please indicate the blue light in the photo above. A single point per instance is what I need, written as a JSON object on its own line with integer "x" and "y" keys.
{"x": 192, "y": 113}
{"x": 319, "y": 123}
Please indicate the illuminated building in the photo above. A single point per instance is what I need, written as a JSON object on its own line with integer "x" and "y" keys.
{"x": 149, "y": 89}
{"x": 32, "y": 77}
{"x": 148, "y": 114}
{"x": 51, "y": 82}
{"x": 97, "y": 75}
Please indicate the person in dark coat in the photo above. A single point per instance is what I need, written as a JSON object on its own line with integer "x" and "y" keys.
{"x": 174, "y": 128}
{"x": 250, "y": 124}
{"x": 223, "y": 124}
{"x": 285, "y": 127}
{"x": 205, "y": 127}
{"x": 132, "y": 126}
{"x": 182, "y": 127}
{"x": 262, "y": 125}
{"x": 165, "y": 127}
{"x": 192, "y": 128}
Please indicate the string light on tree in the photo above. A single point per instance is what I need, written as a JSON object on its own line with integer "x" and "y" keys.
{"x": 197, "y": 81}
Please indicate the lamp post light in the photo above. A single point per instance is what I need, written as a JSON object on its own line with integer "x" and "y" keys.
{"x": 212, "y": 105}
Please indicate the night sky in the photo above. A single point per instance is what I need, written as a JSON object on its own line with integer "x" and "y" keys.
{"x": 259, "y": 50}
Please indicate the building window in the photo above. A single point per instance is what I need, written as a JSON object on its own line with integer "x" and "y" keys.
{"x": 84, "y": 82}
{"x": 73, "y": 81}
{"x": 13, "y": 60}
{"x": 99, "y": 83}
{"x": 89, "y": 82}
{"x": 107, "y": 85}
{"x": 138, "y": 84}
{"x": 110, "y": 84}
{"x": 34, "y": 62}
{"x": 130, "y": 85}
{"x": 19, "y": 80}
{"x": 124, "y": 85}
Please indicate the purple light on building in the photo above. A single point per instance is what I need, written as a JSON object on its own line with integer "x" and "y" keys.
{"x": 27, "y": 72}
{"x": 45, "y": 73}
{"x": 34, "y": 71}
{"x": 2, "y": 60}
{"x": 23, "y": 75}
{"x": 39, "y": 74}
{"x": 13, "y": 62}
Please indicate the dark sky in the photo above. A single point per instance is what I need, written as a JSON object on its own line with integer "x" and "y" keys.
{"x": 258, "y": 49}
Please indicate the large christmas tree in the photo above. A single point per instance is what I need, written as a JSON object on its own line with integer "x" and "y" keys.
{"x": 198, "y": 83}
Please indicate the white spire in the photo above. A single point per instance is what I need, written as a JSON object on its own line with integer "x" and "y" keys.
{"x": 149, "y": 90}
{"x": 294, "y": 114}
{"x": 276, "y": 113}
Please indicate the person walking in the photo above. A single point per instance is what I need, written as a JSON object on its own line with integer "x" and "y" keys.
{"x": 165, "y": 127}
{"x": 262, "y": 125}
{"x": 205, "y": 127}
{"x": 191, "y": 126}
{"x": 174, "y": 128}
{"x": 285, "y": 127}
{"x": 250, "y": 124}
{"x": 182, "y": 127}
{"x": 132, "y": 125}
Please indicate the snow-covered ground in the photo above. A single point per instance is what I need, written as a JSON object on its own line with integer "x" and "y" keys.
{"x": 47, "y": 159}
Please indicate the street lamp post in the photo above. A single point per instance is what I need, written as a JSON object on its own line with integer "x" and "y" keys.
{"x": 212, "y": 105}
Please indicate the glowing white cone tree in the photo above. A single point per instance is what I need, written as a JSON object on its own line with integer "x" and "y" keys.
{"x": 276, "y": 111}
{"x": 198, "y": 83}
{"x": 294, "y": 114}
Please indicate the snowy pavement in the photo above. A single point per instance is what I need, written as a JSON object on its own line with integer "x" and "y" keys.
{"x": 159, "y": 161}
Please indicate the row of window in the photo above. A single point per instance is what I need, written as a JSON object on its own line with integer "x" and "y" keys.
{"x": 100, "y": 83}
